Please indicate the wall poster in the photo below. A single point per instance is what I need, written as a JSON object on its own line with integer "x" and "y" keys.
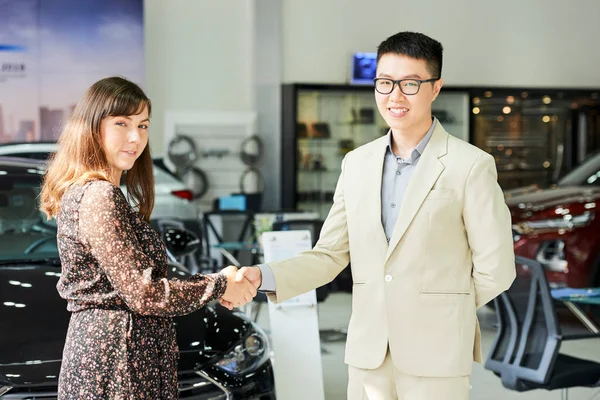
{"x": 52, "y": 51}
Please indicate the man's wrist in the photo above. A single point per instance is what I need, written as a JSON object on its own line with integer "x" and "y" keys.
{"x": 259, "y": 272}
{"x": 267, "y": 280}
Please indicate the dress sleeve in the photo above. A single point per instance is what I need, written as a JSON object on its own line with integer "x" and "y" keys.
{"x": 105, "y": 227}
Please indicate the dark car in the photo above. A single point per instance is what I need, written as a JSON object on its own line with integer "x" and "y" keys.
{"x": 172, "y": 198}
{"x": 223, "y": 355}
{"x": 559, "y": 227}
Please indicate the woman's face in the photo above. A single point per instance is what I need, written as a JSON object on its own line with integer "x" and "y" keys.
{"x": 123, "y": 140}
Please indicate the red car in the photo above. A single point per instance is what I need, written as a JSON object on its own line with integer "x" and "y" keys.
{"x": 559, "y": 227}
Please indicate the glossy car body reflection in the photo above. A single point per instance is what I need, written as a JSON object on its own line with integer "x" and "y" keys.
{"x": 560, "y": 226}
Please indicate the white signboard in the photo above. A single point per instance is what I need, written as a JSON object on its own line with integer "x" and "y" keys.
{"x": 294, "y": 327}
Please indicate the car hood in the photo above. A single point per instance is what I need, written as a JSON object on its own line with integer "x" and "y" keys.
{"x": 558, "y": 196}
{"x": 35, "y": 321}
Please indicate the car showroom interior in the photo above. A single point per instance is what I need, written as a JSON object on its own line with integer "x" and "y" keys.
{"x": 260, "y": 112}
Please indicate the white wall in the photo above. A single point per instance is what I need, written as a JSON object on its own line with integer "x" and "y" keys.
{"x": 199, "y": 56}
{"x": 267, "y": 64}
{"x": 531, "y": 43}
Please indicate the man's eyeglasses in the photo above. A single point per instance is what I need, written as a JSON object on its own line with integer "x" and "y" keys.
{"x": 407, "y": 86}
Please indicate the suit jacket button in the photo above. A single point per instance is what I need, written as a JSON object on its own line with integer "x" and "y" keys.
{"x": 388, "y": 278}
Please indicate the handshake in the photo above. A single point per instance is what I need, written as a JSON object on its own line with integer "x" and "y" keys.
{"x": 242, "y": 285}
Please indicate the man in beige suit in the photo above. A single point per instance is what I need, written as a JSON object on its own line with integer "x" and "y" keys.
{"x": 423, "y": 221}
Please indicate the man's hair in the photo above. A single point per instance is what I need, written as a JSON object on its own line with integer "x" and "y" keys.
{"x": 80, "y": 156}
{"x": 415, "y": 45}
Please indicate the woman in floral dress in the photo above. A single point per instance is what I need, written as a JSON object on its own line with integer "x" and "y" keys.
{"x": 121, "y": 340}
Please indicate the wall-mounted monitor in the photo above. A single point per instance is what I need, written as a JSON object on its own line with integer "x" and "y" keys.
{"x": 362, "y": 68}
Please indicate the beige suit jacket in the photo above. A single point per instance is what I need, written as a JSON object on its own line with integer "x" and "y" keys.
{"x": 451, "y": 252}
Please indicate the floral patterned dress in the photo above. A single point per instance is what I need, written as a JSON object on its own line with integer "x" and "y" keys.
{"x": 121, "y": 340}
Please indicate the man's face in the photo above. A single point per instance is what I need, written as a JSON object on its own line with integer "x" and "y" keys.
{"x": 406, "y": 113}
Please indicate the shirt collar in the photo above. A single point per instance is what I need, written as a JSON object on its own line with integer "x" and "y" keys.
{"x": 420, "y": 146}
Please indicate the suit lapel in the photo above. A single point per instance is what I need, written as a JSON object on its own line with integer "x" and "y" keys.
{"x": 373, "y": 167}
{"x": 425, "y": 175}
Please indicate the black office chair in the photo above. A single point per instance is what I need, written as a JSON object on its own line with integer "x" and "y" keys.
{"x": 196, "y": 262}
{"x": 239, "y": 228}
{"x": 525, "y": 353}
{"x": 314, "y": 227}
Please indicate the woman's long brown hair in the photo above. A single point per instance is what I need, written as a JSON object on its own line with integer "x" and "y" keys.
{"x": 80, "y": 156}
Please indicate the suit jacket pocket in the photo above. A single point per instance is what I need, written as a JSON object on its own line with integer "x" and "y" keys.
{"x": 439, "y": 194}
{"x": 445, "y": 293}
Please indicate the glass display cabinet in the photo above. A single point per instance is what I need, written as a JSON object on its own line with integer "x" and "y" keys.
{"x": 535, "y": 135}
{"x": 321, "y": 123}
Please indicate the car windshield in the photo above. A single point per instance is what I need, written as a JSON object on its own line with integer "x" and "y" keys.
{"x": 587, "y": 173}
{"x": 162, "y": 175}
{"x": 25, "y": 233}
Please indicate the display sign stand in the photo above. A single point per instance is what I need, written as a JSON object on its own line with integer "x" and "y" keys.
{"x": 294, "y": 327}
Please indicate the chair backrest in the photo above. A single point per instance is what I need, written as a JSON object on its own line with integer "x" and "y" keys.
{"x": 238, "y": 224}
{"x": 229, "y": 226}
{"x": 191, "y": 260}
{"x": 312, "y": 225}
{"x": 528, "y": 337}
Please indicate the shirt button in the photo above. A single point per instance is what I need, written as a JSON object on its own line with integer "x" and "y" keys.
{"x": 398, "y": 172}
{"x": 388, "y": 278}
{"x": 393, "y": 205}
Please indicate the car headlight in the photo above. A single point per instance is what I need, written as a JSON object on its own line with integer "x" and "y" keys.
{"x": 250, "y": 353}
{"x": 565, "y": 222}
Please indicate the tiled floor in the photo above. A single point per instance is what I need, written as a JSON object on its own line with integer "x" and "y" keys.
{"x": 334, "y": 313}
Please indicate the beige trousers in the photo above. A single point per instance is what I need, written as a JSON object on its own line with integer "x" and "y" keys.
{"x": 387, "y": 383}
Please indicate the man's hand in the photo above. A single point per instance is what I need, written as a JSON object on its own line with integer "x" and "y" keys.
{"x": 253, "y": 274}
{"x": 238, "y": 292}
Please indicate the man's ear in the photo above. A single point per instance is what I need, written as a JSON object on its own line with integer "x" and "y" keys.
{"x": 437, "y": 86}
